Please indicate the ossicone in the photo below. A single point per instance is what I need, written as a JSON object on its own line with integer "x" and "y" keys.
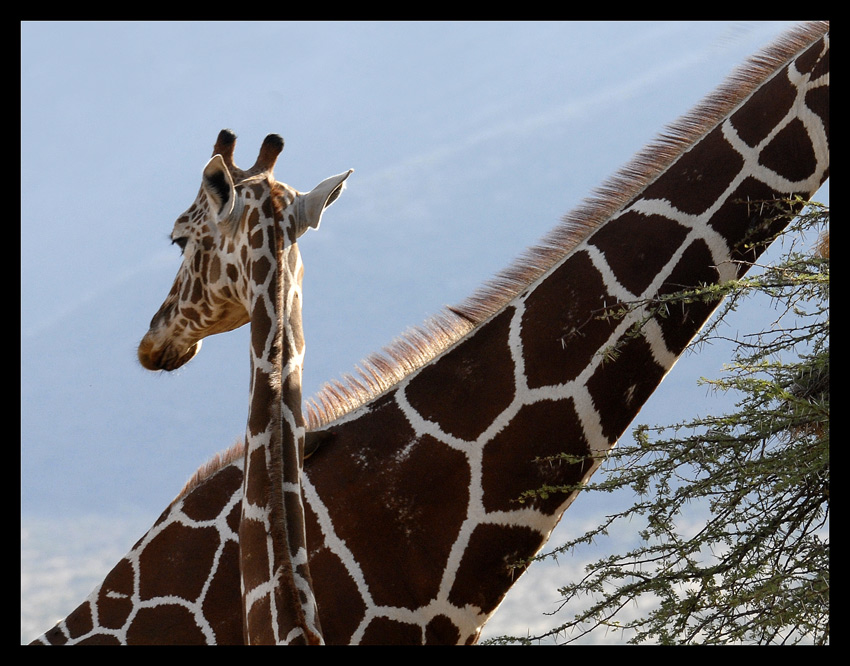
{"x": 224, "y": 146}
{"x": 269, "y": 151}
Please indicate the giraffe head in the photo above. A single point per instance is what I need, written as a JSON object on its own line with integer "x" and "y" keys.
{"x": 232, "y": 214}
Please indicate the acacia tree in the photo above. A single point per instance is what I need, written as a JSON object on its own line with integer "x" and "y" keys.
{"x": 757, "y": 569}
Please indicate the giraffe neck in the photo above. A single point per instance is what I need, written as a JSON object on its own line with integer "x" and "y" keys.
{"x": 458, "y": 441}
{"x": 277, "y": 590}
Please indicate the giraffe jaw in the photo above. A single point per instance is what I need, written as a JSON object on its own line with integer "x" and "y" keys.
{"x": 166, "y": 357}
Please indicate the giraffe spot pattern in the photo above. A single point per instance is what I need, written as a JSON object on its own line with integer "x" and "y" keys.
{"x": 700, "y": 177}
{"x": 562, "y": 321}
{"x": 124, "y": 616}
{"x": 791, "y": 140}
{"x": 465, "y": 389}
{"x": 637, "y": 246}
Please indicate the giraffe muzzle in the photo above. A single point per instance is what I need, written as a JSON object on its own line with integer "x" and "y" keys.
{"x": 164, "y": 358}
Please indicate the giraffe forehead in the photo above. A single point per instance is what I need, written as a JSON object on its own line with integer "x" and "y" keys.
{"x": 260, "y": 197}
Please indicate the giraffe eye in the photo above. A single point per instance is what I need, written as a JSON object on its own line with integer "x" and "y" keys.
{"x": 180, "y": 242}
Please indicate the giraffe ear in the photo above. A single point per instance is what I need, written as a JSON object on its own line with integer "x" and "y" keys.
{"x": 218, "y": 186}
{"x": 312, "y": 204}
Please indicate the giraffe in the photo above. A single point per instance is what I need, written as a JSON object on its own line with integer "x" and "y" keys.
{"x": 412, "y": 524}
{"x": 242, "y": 263}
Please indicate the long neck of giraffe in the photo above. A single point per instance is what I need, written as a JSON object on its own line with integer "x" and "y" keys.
{"x": 456, "y": 442}
{"x": 277, "y": 591}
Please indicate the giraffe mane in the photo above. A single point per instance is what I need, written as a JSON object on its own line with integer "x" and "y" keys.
{"x": 214, "y": 464}
{"x": 420, "y": 345}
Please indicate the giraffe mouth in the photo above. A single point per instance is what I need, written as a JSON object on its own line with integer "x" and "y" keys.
{"x": 165, "y": 358}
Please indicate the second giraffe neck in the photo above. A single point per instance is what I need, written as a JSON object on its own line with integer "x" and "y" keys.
{"x": 273, "y": 521}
